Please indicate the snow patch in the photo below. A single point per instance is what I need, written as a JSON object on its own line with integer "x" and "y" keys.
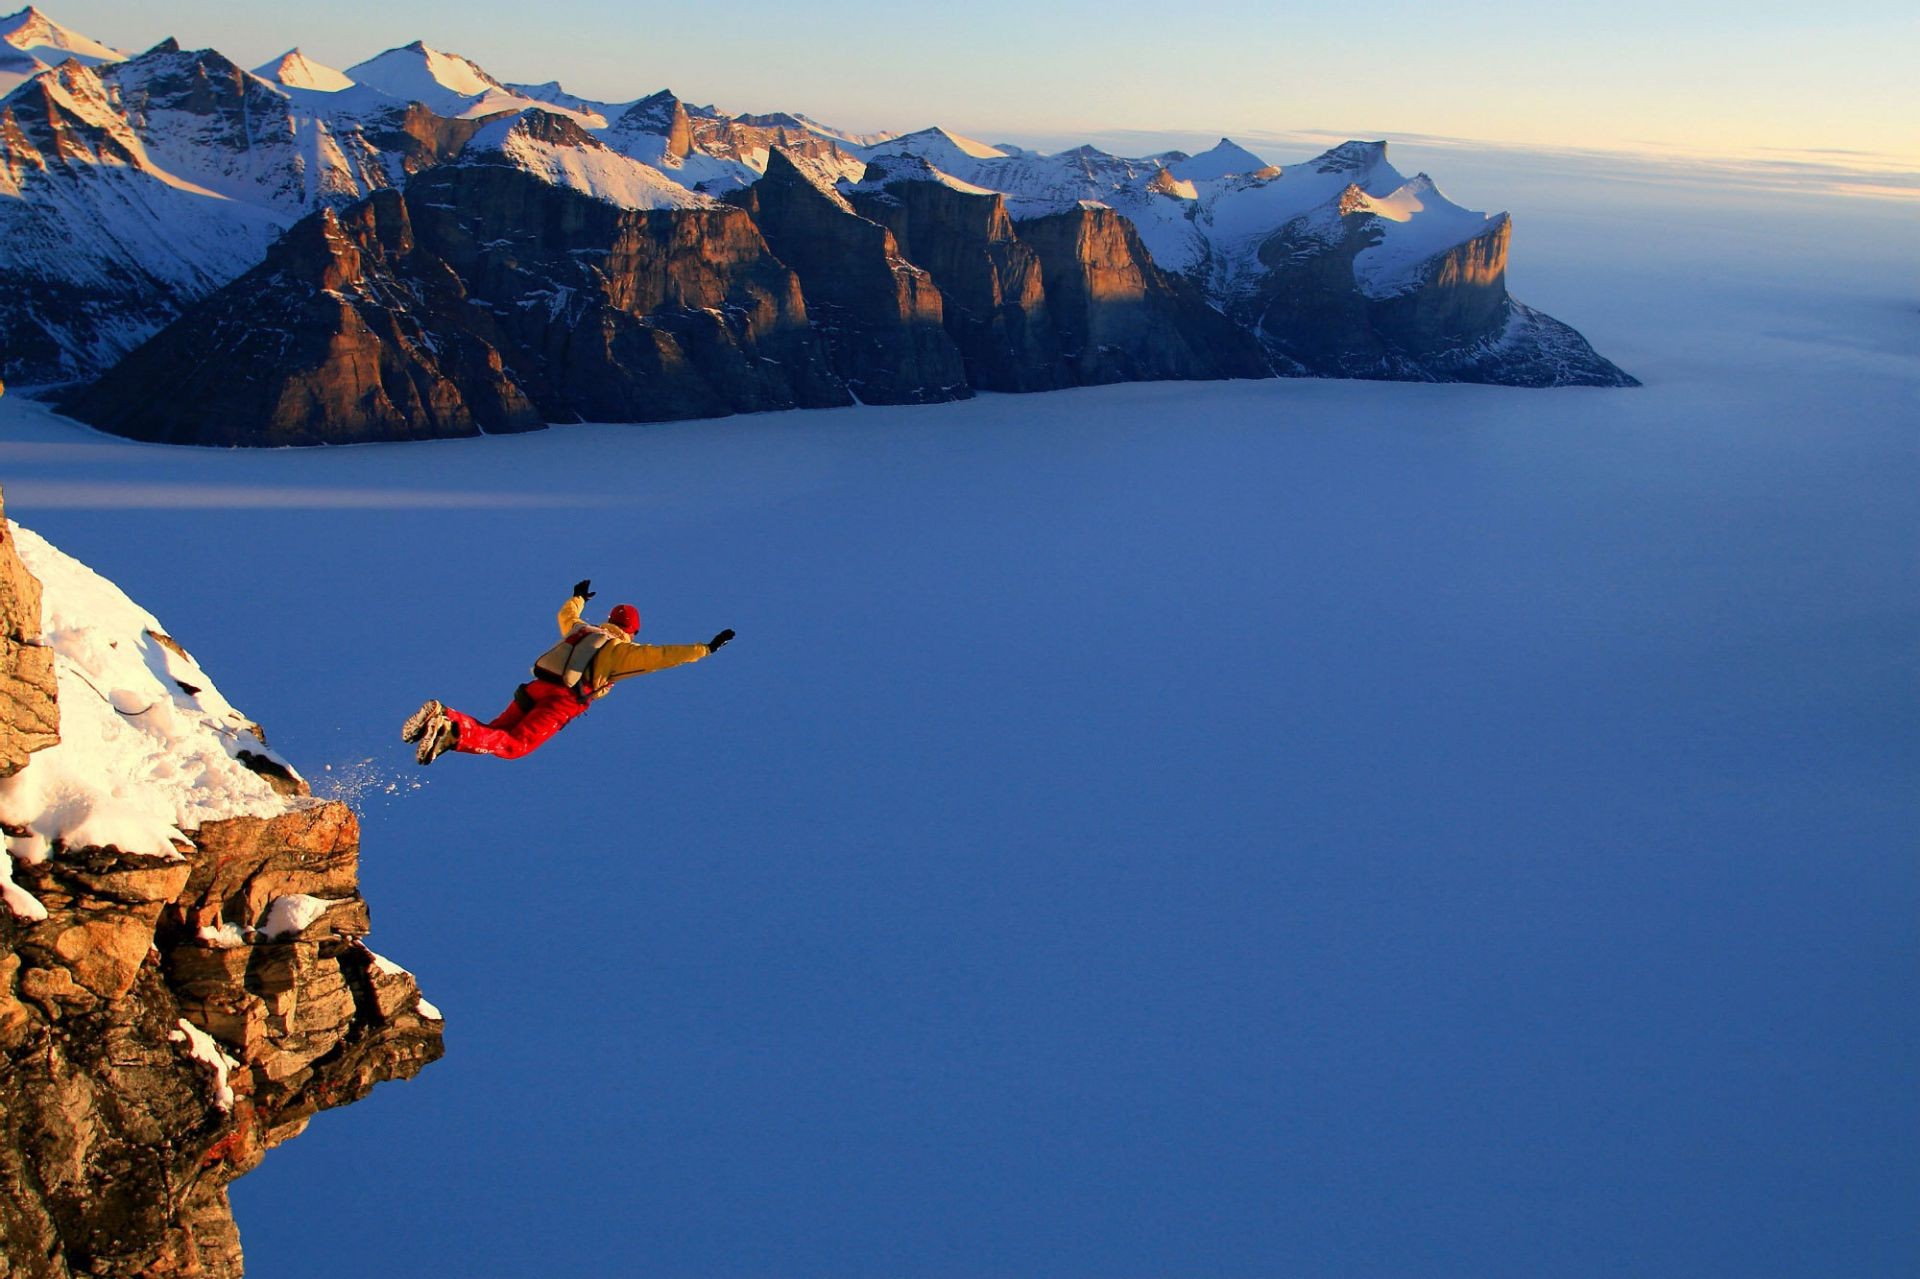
{"x": 223, "y": 937}
{"x": 202, "y": 1048}
{"x": 22, "y": 903}
{"x": 589, "y": 167}
{"x": 289, "y": 916}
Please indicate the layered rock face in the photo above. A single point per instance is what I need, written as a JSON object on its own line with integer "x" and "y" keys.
{"x": 996, "y": 303}
{"x": 323, "y": 343}
{"x": 165, "y": 1019}
{"x": 484, "y": 299}
{"x": 1122, "y": 319}
{"x": 624, "y": 315}
{"x": 882, "y": 316}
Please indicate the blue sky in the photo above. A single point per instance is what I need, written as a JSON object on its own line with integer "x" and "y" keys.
{"x": 1718, "y": 77}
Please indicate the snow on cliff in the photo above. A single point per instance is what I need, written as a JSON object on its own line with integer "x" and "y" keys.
{"x": 1418, "y": 223}
{"x": 545, "y": 145}
{"x": 148, "y": 749}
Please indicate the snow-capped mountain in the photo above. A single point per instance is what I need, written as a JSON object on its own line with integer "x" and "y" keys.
{"x": 31, "y": 42}
{"x": 448, "y": 84}
{"x": 131, "y": 186}
{"x": 295, "y": 70}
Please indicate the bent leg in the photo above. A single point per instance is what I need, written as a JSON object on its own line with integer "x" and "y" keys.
{"x": 550, "y": 712}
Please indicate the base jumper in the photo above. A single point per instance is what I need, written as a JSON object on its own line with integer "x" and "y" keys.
{"x": 567, "y": 678}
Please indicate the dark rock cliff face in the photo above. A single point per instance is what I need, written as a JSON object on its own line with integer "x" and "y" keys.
{"x": 1454, "y": 322}
{"x": 117, "y": 1137}
{"x": 323, "y": 343}
{"x": 1122, "y": 319}
{"x": 617, "y": 315}
{"x": 996, "y": 304}
{"x": 485, "y": 299}
{"x": 882, "y": 316}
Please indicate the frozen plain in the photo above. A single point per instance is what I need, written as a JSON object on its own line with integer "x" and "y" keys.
{"x": 1287, "y": 828}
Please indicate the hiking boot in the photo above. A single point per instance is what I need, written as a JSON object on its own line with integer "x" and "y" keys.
{"x": 416, "y": 724}
{"x": 437, "y": 740}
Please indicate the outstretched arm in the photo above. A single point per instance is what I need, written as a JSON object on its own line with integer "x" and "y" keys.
{"x": 571, "y": 610}
{"x": 637, "y": 659}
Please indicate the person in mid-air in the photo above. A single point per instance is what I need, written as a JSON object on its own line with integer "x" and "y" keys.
{"x": 566, "y": 680}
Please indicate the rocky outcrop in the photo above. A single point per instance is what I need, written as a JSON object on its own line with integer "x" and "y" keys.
{"x": 29, "y": 696}
{"x": 881, "y": 315}
{"x": 660, "y": 114}
{"x": 485, "y": 299}
{"x": 1121, "y": 318}
{"x": 624, "y": 315}
{"x": 147, "y": 1068}
{"x": 165, "y": 1020}
{"x": 995, "y": 302}
{"x": 326, "y": 342}
{"x": 1449, "y": 319}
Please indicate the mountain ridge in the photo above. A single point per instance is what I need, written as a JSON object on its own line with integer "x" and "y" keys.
{"x": 188, "y": 140}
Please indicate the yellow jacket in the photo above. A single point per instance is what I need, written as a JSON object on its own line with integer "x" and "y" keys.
{"x": 620, "y": 656}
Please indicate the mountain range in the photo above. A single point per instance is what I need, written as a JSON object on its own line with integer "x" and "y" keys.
{"x": 409, "y": 247}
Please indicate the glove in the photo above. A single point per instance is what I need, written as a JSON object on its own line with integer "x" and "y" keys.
{"x": 584, "y": 588}
{"x": 715, "y": 644}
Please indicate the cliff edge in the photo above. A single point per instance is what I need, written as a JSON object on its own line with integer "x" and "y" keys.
{"x": 183, "y": 976}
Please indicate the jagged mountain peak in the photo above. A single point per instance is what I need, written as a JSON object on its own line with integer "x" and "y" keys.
{"x": 1225, "y": 159}
{"x": 653, "y": 113}
{"x": 295, "y": 70}
{"x": 935, "y": 138}
{"x": 446, "y": 82}
{"x": 1350, "y": 157}
{"x": 30, "y": 30}
{"x": 886, "y": 170}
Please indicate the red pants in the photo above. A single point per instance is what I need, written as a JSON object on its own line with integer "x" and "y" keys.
{"x": 537, "y": 712}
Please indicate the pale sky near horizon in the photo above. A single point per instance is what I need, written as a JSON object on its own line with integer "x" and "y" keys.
{"x": 1726, "y": 77}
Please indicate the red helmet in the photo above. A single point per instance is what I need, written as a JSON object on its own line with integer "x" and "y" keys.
{"x": 626, "y": 617}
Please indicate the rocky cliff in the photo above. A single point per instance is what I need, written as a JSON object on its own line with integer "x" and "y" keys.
{"x": 1119, "y": 316}
{"x": 1446, "y": 316}
{"x": 484, "y": 298}
{"x": 179, "y": 991}
{"x": 506, "y": 256}
{"x": 995, "y": 302}
{"x": 882, "y": 315}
